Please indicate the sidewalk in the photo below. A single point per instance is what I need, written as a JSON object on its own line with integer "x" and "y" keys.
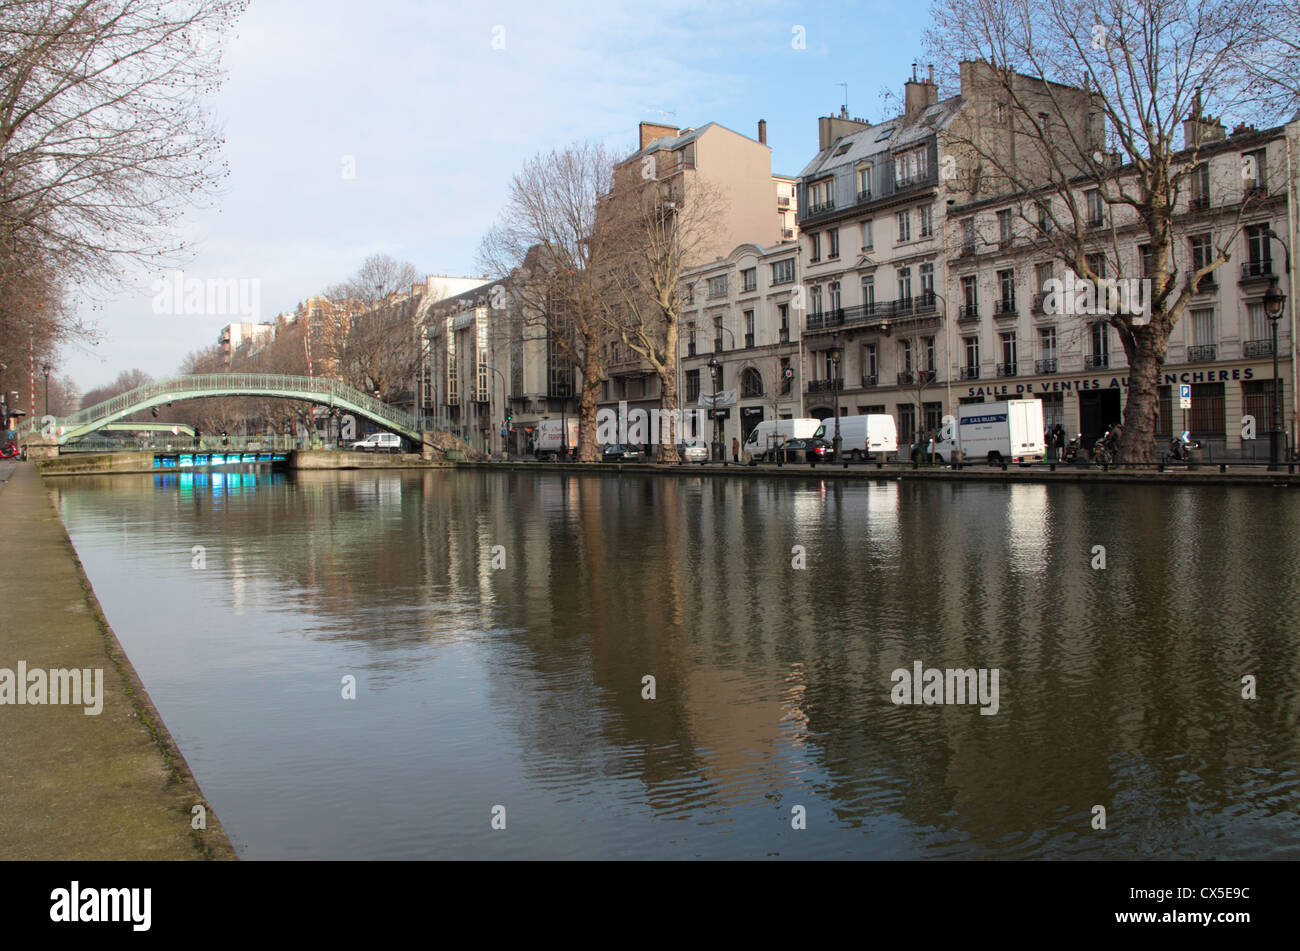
{"x": 72, "y": 786}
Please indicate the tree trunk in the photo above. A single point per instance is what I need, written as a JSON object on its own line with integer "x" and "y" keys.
{"x": 1146, "y": 357}
{"x": 668, "y": 398}
{"x": 588, "y": 449}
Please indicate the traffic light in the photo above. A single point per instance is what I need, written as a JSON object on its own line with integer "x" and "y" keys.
{"x": 509, "y": 417}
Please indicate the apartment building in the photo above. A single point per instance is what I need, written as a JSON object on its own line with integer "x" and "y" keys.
{"x": 740, "y": 339}
{"x": 873, "y": 208}
{"x": 1013, "y": 338}
{"x": 754, "y": 207}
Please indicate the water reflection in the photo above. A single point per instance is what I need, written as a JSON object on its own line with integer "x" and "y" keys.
{"x": 501, "y": 627}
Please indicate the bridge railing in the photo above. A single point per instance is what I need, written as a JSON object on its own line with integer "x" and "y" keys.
{"x": 236, "y": 384}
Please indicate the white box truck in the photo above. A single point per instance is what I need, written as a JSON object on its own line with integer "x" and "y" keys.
{"x": 1005, "y": 431}
{"x": 548, "y": 438}
{"x": 861, "y": 435}
{"x": 771, "y": 433}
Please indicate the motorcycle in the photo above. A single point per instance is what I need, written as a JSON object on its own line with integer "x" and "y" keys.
{"x": 10, "y": 451}
{"x": 1071, "y": 451}
{"x": 1180, "y": 447}
{"x": 1105, "y": 450}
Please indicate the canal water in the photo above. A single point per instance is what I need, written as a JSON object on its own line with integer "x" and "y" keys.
{"x": 500, "y": 628}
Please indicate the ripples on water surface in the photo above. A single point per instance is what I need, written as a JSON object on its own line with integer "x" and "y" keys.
{"x": 522, "y": 686}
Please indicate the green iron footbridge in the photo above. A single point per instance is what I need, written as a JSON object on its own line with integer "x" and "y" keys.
{"x": 322, "y": 392}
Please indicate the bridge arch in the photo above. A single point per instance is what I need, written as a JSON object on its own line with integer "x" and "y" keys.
{"x": 323, "y": 392}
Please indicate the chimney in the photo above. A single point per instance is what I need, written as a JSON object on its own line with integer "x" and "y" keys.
{"x": 919, "y": 94}
{"x": 762, "y": 131}
{"x": 1199, "y": 128}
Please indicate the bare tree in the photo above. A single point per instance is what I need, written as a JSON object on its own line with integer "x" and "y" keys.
{"x": 544, "y": 245}
{"x": 378, "y": 344}
{"x": 1129, "y": 71}
{"x": 653, "y": 225}
{"x": 1275, "y": 74}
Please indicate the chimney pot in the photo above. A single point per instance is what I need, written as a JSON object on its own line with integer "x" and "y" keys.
{"x": 762, "y": 131}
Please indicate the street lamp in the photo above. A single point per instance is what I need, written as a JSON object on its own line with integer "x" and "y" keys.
{"x": 715, "y": 368}
{"x": 1274, "y": 304}
{"x": 835, "y": 389}
{"x": 45, "y": 370}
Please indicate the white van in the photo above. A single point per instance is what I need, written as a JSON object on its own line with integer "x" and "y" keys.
{"x": 549, "y": 441}
{"x": 767, "y": 435}
{"x": 860, "y": 436}
{"x": 379, "y": 442}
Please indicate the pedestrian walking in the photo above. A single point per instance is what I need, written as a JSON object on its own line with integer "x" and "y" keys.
{"x": 735, "y": 449}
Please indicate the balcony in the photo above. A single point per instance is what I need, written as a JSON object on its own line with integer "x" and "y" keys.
{"x": 821, "y": 209}
{"x": 1198, "y": 203}
{"x": 1096, "y": 223}
{"x": 690, "y": 349}
{"x": 1203, "y": 354}
{"x": 864, "y": 196}
{"x": 1007, "y": 369}
{"x": 968, "y": 313}
{"x": 970, "y": 373}
{"x": 749, "y": 340}
{"x": 1045, "y": 366}
{"x": 1004, "y": 308}
{"x": 1096, "y": 361}
{"x": 869, "y": 381}
{"x": 906, "y": 378}
{"x": 1256, "y": 270}
{"x": 787, "y": 234}
{"x": 784, "y": 335}
{"x": 1037, "y": 306}
{"x": 967, "y": 250}
{"x": 826, "y": 386}
{"x": 918, "y": 378}
{"x": 1257, "y": 348}
{"x": 783, "y": 202}
{"x": 717, "y": 345}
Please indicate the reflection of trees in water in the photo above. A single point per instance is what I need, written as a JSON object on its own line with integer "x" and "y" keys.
{"x": 1119, "y": 687}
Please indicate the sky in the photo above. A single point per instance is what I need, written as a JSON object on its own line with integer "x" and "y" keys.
{"x": 395, "y": 126}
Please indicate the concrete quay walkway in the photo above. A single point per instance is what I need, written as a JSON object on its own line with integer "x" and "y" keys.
{"x": 73, "y": 786}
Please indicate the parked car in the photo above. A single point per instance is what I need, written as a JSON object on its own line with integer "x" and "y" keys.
{"x": 809, "y": 450}
{"x": 693, "y": 450}
{"x": 620, "y": 453}
{"x": 770, "y": 433}
{"x": 379, "y": 442}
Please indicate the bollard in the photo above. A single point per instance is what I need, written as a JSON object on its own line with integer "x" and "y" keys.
{"x": 1052, "y": 467}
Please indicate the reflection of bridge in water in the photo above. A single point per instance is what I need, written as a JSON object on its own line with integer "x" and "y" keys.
{"x": 332, "y": 393}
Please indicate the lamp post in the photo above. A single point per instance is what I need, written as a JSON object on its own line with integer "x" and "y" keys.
{"x": 715, "y": 368}
{"x": 836, "y": 353}
{"x": 45, "y": 371}
{"x": 1274, "y": 304}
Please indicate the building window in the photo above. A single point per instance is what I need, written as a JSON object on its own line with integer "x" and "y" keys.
{"x": 1006, "y": 228}
{"x": 1203, "y": 327}
{"x": 1007, "y": 288}
{"x": 749, "y": 328}
{"x": 904, "y": 284}
{"x": 815, "y": 246}
{"x": 1206, "y": 417}
{"x": 1257, "y": 401}
{"x": 1096, "y": 263}
{"x": 1045, "y": 217}
{"x": 926, "y": 215}
{"x": 815, "y": 298}
{"x": 1258, "y": 251}
{"x": 833, "y": 240}
{"x": 970, "y": 295}
{"x": 1046, "y": 350}
{"x": 783, "y": 271}
{"x": 751, "y": 384}
{"x": 870, "y": 367}
{"x": 864, "y": 181}
{"x": 905, "y": 356}
{"x": 926, "y": 272}
{"x": 1146, "y": 260}
{"x": 717, "y": 287}
{"x": 868, "y": 239}
{"x": 904, "y": 226}
{"x": 692, "y": 386}
{"x": 930, "y": 364}
{"x": 868, "y": 294}
{"x": 690, "y": 339}
{"x": 1201, "y": 186}
{"x": 972, "y": 348}
{"x": 821, "y": 195}
{"x": 833, "y": 295}
{"x": 783, "y": 312}
{"x": 911, "y": 166}
{"x": 968, "y": 236}
{"x": 1096, "y": 208}
{"x": 933, "y": 416}
{"x": 1260, "y": 326}
{"x": 1010, "y": 358}
{"x": 1042, "y": 274}
{"x": 749, "y": 279}
{"x": 1255, "y": 171}
{"x": 1099, "y": 333}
